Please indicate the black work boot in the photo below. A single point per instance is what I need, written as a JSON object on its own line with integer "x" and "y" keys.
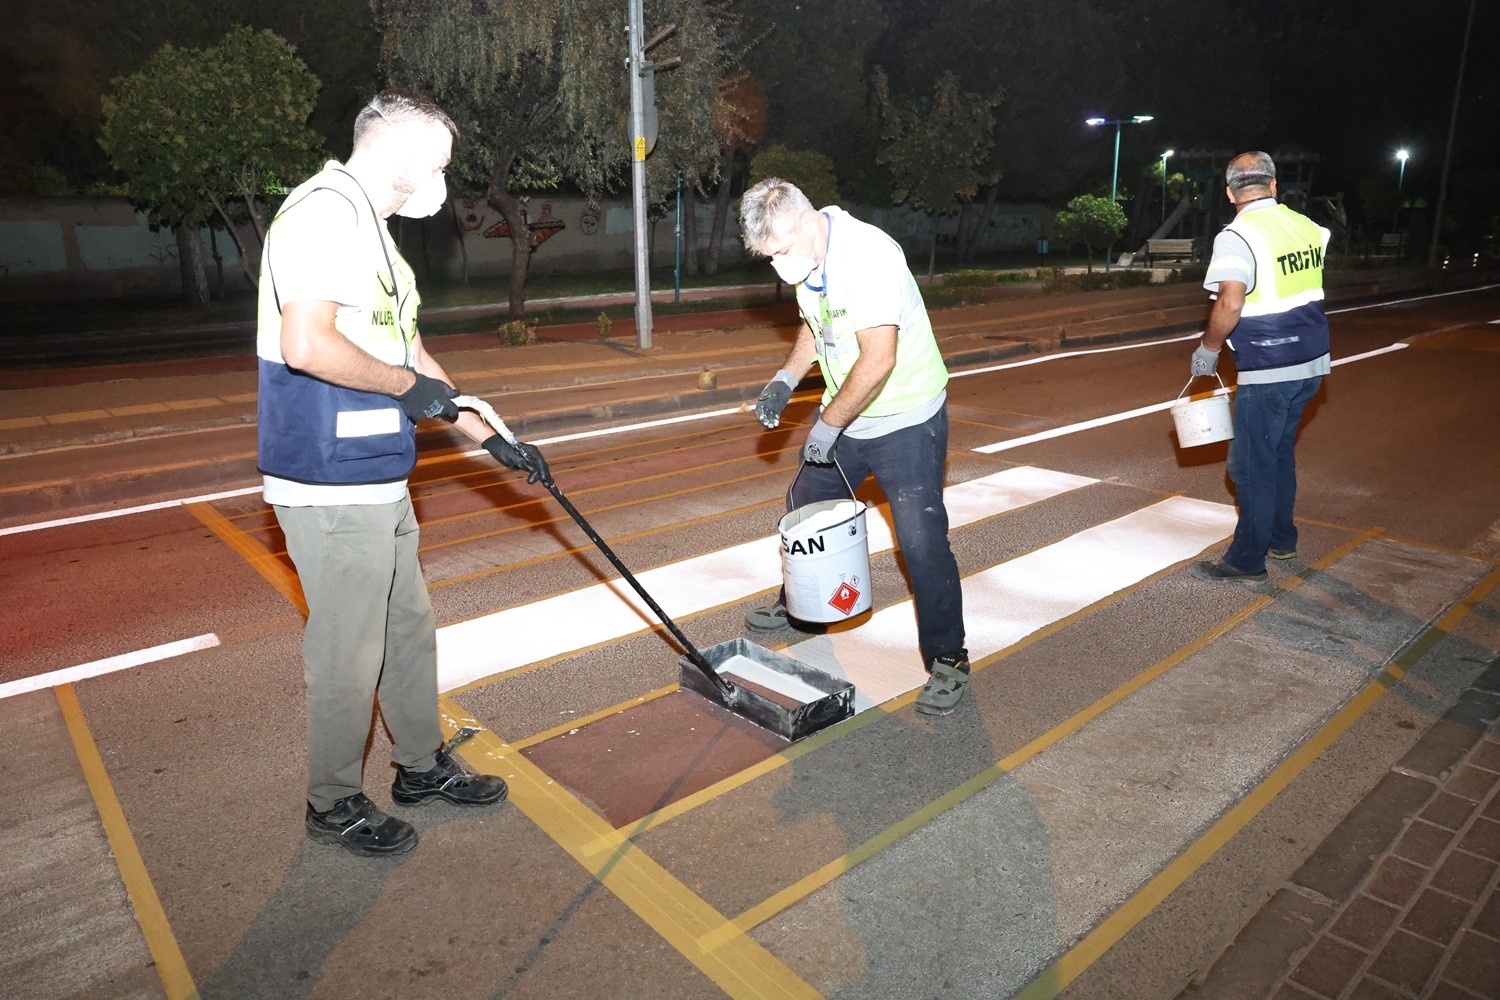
{"x": 357, "y": 824}
{"x": 447, "y": 780}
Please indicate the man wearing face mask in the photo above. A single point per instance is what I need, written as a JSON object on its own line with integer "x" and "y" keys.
{"x": 344, "y": 379}
{"x": 884, "y": 410}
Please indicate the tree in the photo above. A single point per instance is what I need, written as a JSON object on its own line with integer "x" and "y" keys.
{"x": 540, "y": 93}
{"x": 199, "y": 132}
{"x": 740, "y": 122}
{"x": 1092, "y": 221}
{"x": 935, "y": 148}
{"x": 812, "y": 172}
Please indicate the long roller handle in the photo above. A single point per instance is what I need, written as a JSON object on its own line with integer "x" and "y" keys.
{"x": 492, "y": 418}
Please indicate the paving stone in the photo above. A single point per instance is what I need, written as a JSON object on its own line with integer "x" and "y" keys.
{"x": 1365, "y": 921}
{"x": 1486, "y": 755}
{"x": 1373, "y": 989}
{"x": 1448, "y": 811}
{"x": 1289, "y": 991}
{"x": 1487, "y": 921}
{"x": 1407, "y": 961}
{"x": 1437, "y": 916}
{"x": 1423, "y": 843}
{"x": 1492, "y": 811}
{"x": 1451, "y": 737}
{"x": 1343, "y": 859}
{"x": 1482, "y": 839}
{"x": 1464, "y": 875}
{"x": 1328, "y": 967}
{"x": 1475, "y": 965}
{"x": 1471, "y": 783}
{"x": 1264, "y": 947}
{"x": 1396, "y": 881}
{"x": 1447, "y": 991}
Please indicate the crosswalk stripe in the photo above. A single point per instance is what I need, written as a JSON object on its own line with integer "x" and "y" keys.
{"x": 471, "y": 651}
{"x": 1022, "y": 595}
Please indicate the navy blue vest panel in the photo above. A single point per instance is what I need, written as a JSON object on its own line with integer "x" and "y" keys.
{"x": 1280, "y": 339}
{"x": 298, "y": 432}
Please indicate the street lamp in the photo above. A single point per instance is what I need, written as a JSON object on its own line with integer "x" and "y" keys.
{"x": 1401, "y": 155}
{"x": 1164, "y": 184}
{"x": 1114, "y": 176}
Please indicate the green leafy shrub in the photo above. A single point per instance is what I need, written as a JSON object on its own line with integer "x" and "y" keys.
{"x": 1055, "y": 281}
{"x": 605, "y": 325}
{"x": 517, "y": 333}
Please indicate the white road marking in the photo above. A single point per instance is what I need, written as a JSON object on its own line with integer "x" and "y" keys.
{"x": 502, "y": 641}
{"x": 125, "y": 661}
{"x": 1022, "y": 595}
{"x": 1140, "y": 411}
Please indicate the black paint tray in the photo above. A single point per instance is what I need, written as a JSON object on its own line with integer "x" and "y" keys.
{"x": 787, "y": 715}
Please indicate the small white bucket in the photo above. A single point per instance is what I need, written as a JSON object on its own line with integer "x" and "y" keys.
{"x": 1202, "y": 419}
{"x": 825, "y": 560}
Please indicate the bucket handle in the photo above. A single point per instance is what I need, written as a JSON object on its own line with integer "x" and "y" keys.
{"x": 836, "y": 465}
{"x": 1192, "y": 377}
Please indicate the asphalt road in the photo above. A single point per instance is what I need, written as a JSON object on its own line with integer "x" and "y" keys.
{"x": 652, "y": 847}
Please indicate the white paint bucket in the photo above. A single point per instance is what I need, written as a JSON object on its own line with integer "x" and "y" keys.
{"x": 825, "y": 561}
{"x": 1202, "y": 419}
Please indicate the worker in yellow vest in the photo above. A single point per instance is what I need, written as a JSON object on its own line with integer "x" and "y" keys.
{"x": 1267, "y": 274}
{"x": 884, "y": 408}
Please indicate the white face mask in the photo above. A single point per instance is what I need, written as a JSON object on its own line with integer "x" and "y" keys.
{"x": 793, "y": 269}
{"x": 425, "y": 200}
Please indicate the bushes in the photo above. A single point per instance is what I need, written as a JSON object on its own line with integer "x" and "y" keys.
{"x": 516, "y": 333}
{"x": 967, "y": 287}
{"x": 1054, "y": 280}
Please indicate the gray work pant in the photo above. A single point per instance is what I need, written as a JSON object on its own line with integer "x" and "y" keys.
{"x": 370, "y": 630}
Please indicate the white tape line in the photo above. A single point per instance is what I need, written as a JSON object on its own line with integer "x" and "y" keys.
{"x": 103, "y": 515}
{"x": 125, "y": 661}
{"x": 1022, "y": 595}
{"x": 507, "y": 640}
{"x": 1074, "y": 354}
{"x": 1114, "y": 418}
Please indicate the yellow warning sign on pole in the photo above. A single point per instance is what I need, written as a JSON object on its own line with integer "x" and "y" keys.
{"x": 640, "y": 147}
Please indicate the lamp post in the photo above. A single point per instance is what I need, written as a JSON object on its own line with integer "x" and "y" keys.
{"x": 1114, "y": 176}
{"x": 1401, "y": 155}
{"x": 1164, "y": 184}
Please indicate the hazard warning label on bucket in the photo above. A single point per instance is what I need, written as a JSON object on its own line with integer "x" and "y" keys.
{"x": 844, "y": 599}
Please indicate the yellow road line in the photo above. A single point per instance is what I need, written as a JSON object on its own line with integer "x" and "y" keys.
{"x": 737, "y": 964}
{"x": 873, "y": 846}
{"x": 585, "y": 720}
{"x": 276, "y": 572}
{"x": 1103, "y": 937}
{"x": 165, "y": 953}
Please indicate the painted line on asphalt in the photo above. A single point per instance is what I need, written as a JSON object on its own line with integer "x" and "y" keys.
{"x": 166, "y": 954}
{"x": 534, "y": 634}
{"x": 1075, "y": 960}
{"x": 739, "y": 965}
{"x": 277, "y": 573}
{"x": 1140, "y": 411}
{"x": 125, "y": 661}
{"x": 687, "y": 417}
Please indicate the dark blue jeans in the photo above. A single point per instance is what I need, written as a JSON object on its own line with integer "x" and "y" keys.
{"x": 908, "y": 464}
{"x": 1264, "y": 469}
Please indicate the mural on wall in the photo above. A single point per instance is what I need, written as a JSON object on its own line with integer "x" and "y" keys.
{"x": 471, "y": 218}
{"x": 588, "y": 222}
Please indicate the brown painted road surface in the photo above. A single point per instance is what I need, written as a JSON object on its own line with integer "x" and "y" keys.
{"x": 1154, "y": 788}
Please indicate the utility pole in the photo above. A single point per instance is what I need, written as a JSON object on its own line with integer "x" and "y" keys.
{"x": 1458, "y": 88}
{"x": 642, "y": 139}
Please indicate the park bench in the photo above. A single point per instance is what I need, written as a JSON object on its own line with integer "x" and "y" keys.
{"x": 1390, "y": 245}
{"x": 1159, "y": 250}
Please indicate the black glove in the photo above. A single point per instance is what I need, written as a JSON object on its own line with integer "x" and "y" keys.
{"x": 524, "y": 457}
{"x": 774, "y": 397}
{"x": 428, "y": 397}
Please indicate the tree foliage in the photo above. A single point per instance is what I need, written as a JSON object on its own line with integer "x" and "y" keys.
{"x": 540, "y": 90}
{"x": 810, "y": 171}
{"x": 936, "y": 148}
{"x": 198, "y": 132}
{"x": 1092, "y": 221}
